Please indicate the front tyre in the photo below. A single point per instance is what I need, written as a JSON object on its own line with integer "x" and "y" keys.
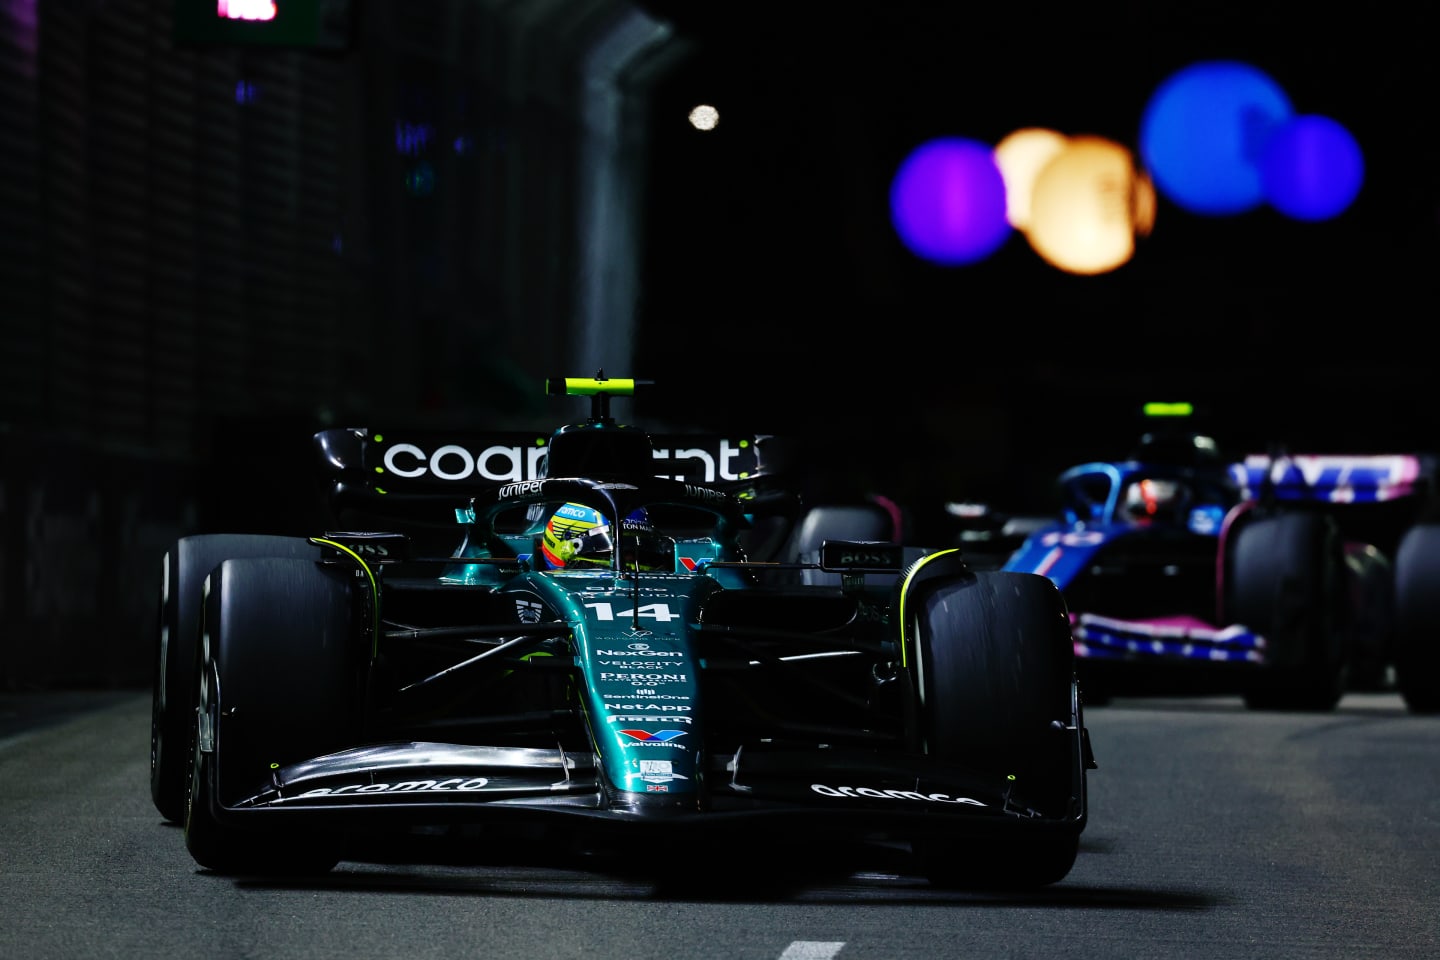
{"x": 276, "y": 685}
{"x": 997, "y": 689}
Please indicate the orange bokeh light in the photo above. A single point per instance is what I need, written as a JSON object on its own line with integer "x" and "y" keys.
{"x": 1087, "y": 205}
{"x": 1020, "y": 156}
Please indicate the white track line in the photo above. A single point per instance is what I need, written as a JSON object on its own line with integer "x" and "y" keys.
{"x": 812, "y": 950}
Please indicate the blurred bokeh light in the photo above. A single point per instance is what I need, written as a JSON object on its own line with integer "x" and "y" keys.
{"x": 1312, "y": 168}
{"x": 704, "y": 117}
{"x": 1021, "y": 155}
{"x": 947, "y": 202}
{"x": 1087, "y": 205}
{"x": 1203, "y": 131}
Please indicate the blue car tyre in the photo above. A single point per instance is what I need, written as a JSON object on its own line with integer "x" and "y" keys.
{"x": 1284, "y": 579}
{"x": 277, "y": 683}
{"x": 1417, "y": 615}
{"x": 184, "y": 569}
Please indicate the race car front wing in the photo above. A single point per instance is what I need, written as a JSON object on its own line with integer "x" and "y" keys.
{"x": 412, "y": 783}
{"x": 1169, "y": 638}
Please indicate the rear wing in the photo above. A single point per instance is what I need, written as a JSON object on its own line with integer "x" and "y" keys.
{"x": 1333, "y": 478}
{"x": 365, "y": 467}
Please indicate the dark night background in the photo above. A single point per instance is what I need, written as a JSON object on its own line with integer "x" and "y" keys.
{"x": 1277, "y": 327}
{"x": 412, "y": 213}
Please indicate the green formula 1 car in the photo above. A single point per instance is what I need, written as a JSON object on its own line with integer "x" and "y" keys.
{"x": 600, "y": 653}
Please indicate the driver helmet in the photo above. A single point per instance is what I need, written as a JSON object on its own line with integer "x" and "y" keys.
{"x": 1149, "y": 500}
{"x": 578, "y": 537}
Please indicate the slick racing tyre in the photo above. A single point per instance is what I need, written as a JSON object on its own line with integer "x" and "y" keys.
{"x": 184, "y": 569}
{"x": 1417, "y": 616}
{"x": 277, "y": 684}
{"x": 997, "y": 669}
{"x": 1285, "y": 580}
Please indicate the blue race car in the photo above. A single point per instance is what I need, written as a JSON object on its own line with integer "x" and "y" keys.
{"x": 1272, "y": 576}
{"x": 597, "y": 655}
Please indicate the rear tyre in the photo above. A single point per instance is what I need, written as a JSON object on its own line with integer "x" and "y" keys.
{"x": 1417, "y": 618}
{"x": 997, "y": 669}
{"x": 1285, "y": 581}
{"x": 183, "y": 571}
{"x": 277, "y": 684}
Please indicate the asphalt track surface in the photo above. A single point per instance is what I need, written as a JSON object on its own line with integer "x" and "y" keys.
{"x": 1215, "y": 833}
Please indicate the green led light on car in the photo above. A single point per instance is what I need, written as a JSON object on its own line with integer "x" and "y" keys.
{"x": 1156, "y": 409}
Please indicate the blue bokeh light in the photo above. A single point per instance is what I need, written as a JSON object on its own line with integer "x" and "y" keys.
{"x": 1312, "y": 168}
{"x": 947, "y": 202}
{"x": 1204, "y": 131}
